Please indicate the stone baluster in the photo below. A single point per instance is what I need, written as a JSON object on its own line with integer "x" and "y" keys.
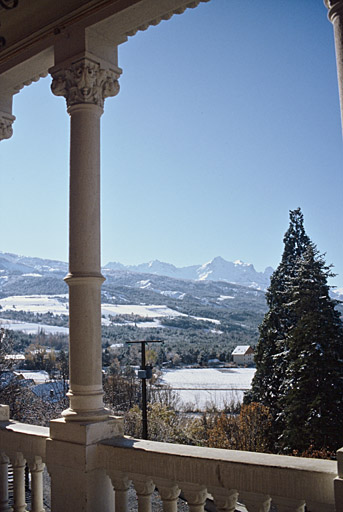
{"x": 36, "y": 468}
{"x": 255, "y": 502}
{"x": 4, "y": 460}
{"x": 195, "y": 496}
{"x": 144, "y": 489}
{"x": 121, "y": 486}
{"x": 225, "y": 500}
{"x": 288, "y": 504}
{"x": 169, "y": 493}
{"x": 18, "y": 464}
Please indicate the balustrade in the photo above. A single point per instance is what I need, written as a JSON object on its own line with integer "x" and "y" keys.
{"x": 21, "y": 445}
{"x": 228, "y": 477}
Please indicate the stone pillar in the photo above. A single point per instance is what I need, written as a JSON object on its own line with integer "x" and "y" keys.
{"x": 121, "y": 485}
{"x": 18, "y": 463}
{"x": 225, "y": 500}
{"x": 255, "y": 502}
{"x": 4, "y": 506}
{"x": 196, "y": 497}
{"x": 336, "y": 17}
{"x": 338, "y": 482}
{"x": 36, "y": 468}
{"x": 169, "y": 495}
{"x": 85, "y": 83}
{"x": 288, "y": 504}
{"x": 144, "y": 489}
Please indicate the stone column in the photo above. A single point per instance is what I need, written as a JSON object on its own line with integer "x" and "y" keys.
{"x": 336, "y": 17}
{"x": 225, "y": 500}
{"x": 144, "y": 489}
{"x": 4, "y": 506}
{"x": 196, "y": 497}
{"x": 169, "y": 495}
{"x": 255, "y": 502}
{"x": 121, "y": 485}
{"x": 18, "y": 463}
{"x": 288, "y": 504}
{"x": 36, "y": 468}
{"x": 85, "y": 84}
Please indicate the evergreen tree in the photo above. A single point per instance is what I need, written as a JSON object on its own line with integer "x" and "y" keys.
{"x": 299, "y": 352}
{"x": 271, "y": 348}
{"x": 312, "y": 394}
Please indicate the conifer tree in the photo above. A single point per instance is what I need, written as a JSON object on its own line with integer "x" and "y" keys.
{"x": 299, "y": 351}
{"x": 311, "y": 400}
{"x": 270, "y": 351}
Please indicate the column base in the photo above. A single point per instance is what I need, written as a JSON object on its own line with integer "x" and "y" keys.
{"x": 79, "y": 483}
{"x": 86, "y": 432}
{"x": 88, "y": 416}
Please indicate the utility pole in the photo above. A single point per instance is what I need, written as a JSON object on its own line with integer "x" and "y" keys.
{"x": 144, "y": 373}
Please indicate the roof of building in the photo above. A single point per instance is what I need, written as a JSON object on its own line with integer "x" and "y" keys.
{"x": 241, "y": 350}
{"x": 37, "y": 376}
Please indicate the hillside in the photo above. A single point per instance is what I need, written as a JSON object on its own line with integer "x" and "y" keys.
{"x": 192, "y": 316}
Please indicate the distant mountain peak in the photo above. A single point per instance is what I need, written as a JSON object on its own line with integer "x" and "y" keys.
{"x": 218, "y": 269}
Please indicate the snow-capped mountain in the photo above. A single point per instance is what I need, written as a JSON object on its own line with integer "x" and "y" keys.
{"x": 217, "y": 269}
{"x": 234, "y": 272}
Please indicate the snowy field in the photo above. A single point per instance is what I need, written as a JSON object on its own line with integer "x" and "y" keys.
{"x": 58, "y": 305}
{"x": 31, "y": 328}
{"x": 206, "y": 386}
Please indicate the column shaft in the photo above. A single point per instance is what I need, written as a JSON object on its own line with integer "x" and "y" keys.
{"x": 37, "y": 487}
{"x": 84, "y": 278}
{"x": 85, "y": 84}
{"x": 336, "y": 17}
{"x": 4, "y": 506}
{"x": 19, "y": 484}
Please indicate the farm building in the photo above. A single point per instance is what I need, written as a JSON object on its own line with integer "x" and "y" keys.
{"x": 243, "y": 355}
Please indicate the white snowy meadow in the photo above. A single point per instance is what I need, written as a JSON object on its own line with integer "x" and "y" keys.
{"x": 209, "y": 386}
{"x": 58, "y": 305}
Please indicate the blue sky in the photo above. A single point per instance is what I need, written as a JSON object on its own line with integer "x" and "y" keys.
{"x": 227, "y": 118}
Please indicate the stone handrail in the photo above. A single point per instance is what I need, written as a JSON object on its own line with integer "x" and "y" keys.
{"x": 257, "y": 480}
{"x": 229, "y": 477}
{"x": 21, "y": 444}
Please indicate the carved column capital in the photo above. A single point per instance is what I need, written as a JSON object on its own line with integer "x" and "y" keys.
{"x": 85, "y": 81}
{"x": 17, "y": 460}
{"x": 6, "y": 121}
{"x": 225, "y": 499}
{"x": 144, "y": 486}
{"x": 4, "y": 458}
{"x": 335, "y": 8}
{"x": 36, "y": 464}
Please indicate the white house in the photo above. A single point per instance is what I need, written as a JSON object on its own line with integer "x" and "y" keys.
{"x": 243, "y": 354}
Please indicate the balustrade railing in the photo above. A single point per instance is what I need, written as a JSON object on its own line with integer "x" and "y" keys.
{"x": 254, "y": 479}
{"x": 21, "y": 445}
{"x": 230, "y": 478}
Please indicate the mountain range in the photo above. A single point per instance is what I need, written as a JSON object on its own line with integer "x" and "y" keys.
{"x": 217, "y": 269}
{"x": 18, "y": 271}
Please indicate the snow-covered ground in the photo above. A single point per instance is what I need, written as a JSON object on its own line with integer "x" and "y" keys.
{"x": 140, "y": 310}
{"x": 201, "y": 386}
{"x": 32, "y": 328}
{"x": 58, "y": 304}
